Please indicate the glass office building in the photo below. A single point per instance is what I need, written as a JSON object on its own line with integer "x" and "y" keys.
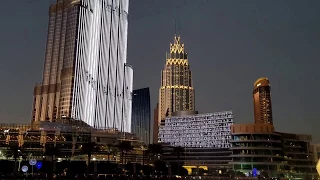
{"x": 141, "y": 114}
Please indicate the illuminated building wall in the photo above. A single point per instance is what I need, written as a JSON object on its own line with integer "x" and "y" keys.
{"x": 68, "y": 136}
{"x": 176, "y": 92}
{"x": 85, "y": 73}
{"x": 199, "y": 130}
{"x": 262, "y": 102}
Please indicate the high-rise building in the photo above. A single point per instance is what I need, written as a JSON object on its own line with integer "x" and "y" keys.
{"x": 85, "y": 75}
{"x": 262, "y": 102}
{"x": 155, "y": 123}
{"x": 141, "y": 114}
{"x": 176, "y": 92}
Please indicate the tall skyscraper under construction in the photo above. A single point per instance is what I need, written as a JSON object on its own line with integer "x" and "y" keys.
{"x": 176, "y": 92}
{"x": 85, "y": 75}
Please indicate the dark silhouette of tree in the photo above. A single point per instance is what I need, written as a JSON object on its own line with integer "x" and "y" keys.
{"x": 144, "y": 149}
{"x": 52, "y": 151}
{"x": 155, "y": 150}
{"x": 124, "y": 147}
{"x": 15, "y": 151}
{"x": 88, "y": 149}
{"x": 178, "y": 151}
{"x": 109, "y": 150}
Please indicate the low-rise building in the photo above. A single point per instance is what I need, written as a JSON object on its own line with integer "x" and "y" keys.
{"x": 204, "y": 138}
{"x": 68, "y": 136}
{"x": 257, "y": 149}
{"x": 256, "y": 146}
{"x": 298, "y": 154}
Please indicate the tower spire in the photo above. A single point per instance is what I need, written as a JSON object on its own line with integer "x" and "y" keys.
{"x": 178, "y": 27}
{"x": 177, "y": 23}
{"x": 175, "y": 26}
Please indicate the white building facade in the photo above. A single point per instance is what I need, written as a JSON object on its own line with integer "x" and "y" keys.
{"x": 210, "y": 130}
{"x": 103, "y": 81}
{"x": 94, "y": 81}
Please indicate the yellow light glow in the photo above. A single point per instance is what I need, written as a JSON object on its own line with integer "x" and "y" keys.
{"x": 176, "y": 87}
{"x": 318, "y": 167}
{"x": 177, "y": 47}
{"x": 189, "y": 168}
{"x": 177, "y": 62}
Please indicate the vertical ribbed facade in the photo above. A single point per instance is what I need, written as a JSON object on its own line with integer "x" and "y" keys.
{"x": 262, "y": 102}
{"x": 176, "y": 92}
{"x": 141, "y": 114}
{"x": 84, "y": 74}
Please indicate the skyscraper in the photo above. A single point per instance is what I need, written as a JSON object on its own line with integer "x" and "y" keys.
{"x": 85, "y": 75}
{"x": 176, "y": 91}
{"x": 141, "y": 114}
{"x": 155, "y": 123}
{"x": 262, "y": 102}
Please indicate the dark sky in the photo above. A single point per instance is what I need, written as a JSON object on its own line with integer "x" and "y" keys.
{"x": 230, "y": 45}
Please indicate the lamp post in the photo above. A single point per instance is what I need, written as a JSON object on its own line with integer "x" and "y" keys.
{"x": 32, "y": 162}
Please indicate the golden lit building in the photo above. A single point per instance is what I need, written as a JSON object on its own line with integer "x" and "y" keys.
{"x": 176, "y": 91}
{"x": 262, "y": 102}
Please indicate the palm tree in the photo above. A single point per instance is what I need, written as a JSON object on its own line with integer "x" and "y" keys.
{"x": 155, "y": 150}
{"x": 124, "y": 147}
{"x": 178, "y": 151}
{"x": 15, "y": 151}
{"x": 109, "y": 150}
{"x": 143, "y": 148}
{"x": 114, "y": 152}
{"x": 52, "y": 151}
{"x": 88, "y": 149}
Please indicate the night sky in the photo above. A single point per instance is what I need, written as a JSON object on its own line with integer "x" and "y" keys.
{"x": 230, "y": 45}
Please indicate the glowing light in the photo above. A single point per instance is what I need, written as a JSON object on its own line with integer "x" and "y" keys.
{"x": 32, "y": 162}
{"x": 39, "y": 165}
{"x": 24, "y": 169}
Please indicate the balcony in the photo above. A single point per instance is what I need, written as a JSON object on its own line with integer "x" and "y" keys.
{"x": 255, "y": 140}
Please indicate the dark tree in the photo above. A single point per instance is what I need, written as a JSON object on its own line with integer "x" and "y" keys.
{"x": 124, "y": 147}
{"x": 88, "y": 149}
{"x": 52, "y": 151}
{"x": 155, "y": 150}
{"x": 178, "y": 151}
{"x": 15, "y": 151}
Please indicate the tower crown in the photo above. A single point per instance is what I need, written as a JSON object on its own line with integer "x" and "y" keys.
{"x": 176, "y": 91}
{"x": 261, "y": 82}
{"x": 177, "y": 47}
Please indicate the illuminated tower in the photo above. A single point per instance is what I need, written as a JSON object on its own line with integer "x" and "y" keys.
{"x": 85, "y": 75}
{"x": 176, "y": 91}
{"x": 262, "y": 102}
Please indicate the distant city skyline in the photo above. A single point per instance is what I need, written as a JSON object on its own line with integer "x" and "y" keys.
{"x": 232, "y": 45}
